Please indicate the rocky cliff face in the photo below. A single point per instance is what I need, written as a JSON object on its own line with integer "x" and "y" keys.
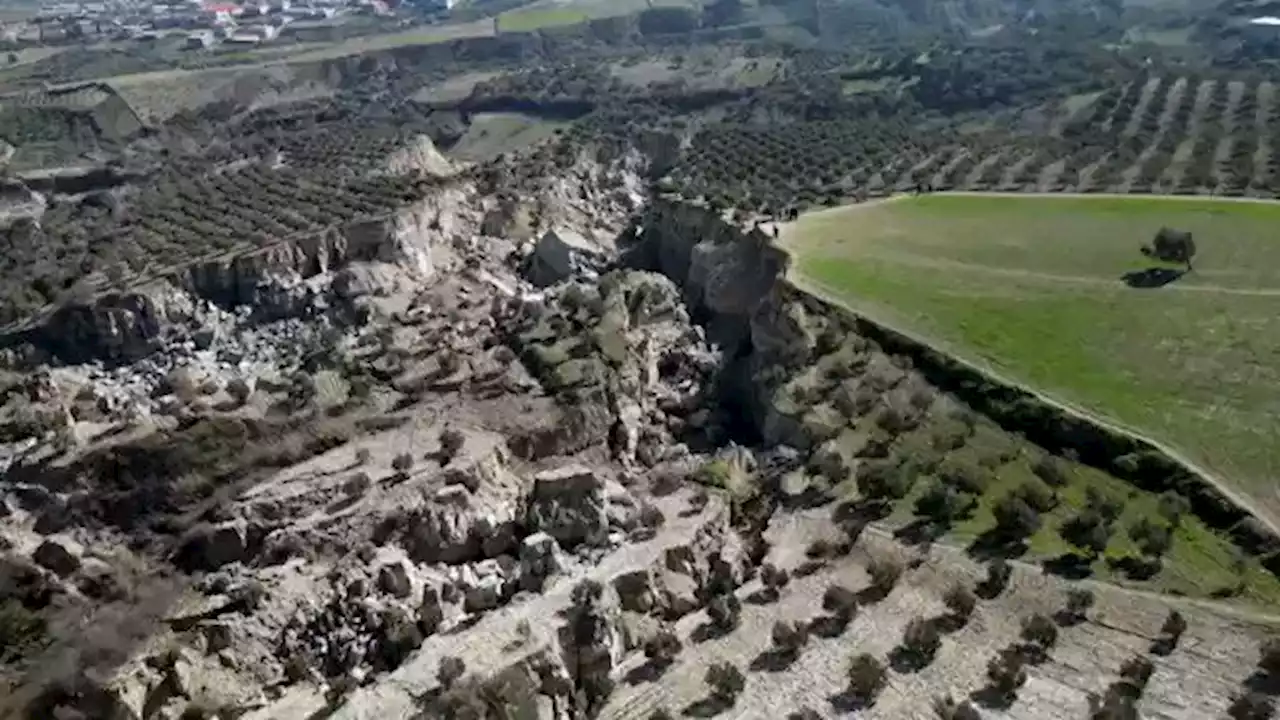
{"x": 805, "y": 370}
{"x": 287, "y": 279}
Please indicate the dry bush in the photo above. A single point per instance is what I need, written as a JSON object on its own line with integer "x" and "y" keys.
{"x": 946, "y": 708}
{"x": 790, "y": 637}
{"x": 451, "y": 442}
{"x": 867, "y": 677}
{"x": 663, "y": 648}
{"x": 774, "y": 578}
{"x": 961, "y": 601}
{"x": 726, "y": 682}
{"x": 885, "y": 573}
{"x": 450, "y": 671}
{"x": 921, "y": 641}
{"x": 1079, "y": 602}
{"x": 402, "y": 463}
{"x": 1007, "y": 673}
{"x": 1170, "y": 633}
{"x": 997, "y": 578}
{"x": 840, "y": 601}
{"x": 725, "y": 611}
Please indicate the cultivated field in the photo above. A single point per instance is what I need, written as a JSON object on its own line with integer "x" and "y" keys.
{"x": 1198, "y": 680}
{"x": 1036, "y": 288}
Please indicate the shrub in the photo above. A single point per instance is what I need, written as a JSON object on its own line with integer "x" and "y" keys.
{"x": 1173, "y": 506}
{"x": 363, "y": 456}
{"x": 998, "y": 573}
{"x": 663, "y": 648}
{"x": 1040, "y": 630}
{"x": 963, "y": 476}
{"x": 885, "y": 573}
{"x": 1015, "y": 519}
{"x": 1104, "y": 505}
{"x": 651, "y": 517}
{"x": 961, "y": 601}
{"x": 840, "y": 601}
{"x": 21, "y": 630}
{"x": 1079, "y": 601}
{"x": 661, "y": 714}
{"x": 1007, "y": 672}
{"x": 450, "y": 671}
{"x": 725, "y": 611}
{"x": 1051, "y": 470}
{"x": 1269, "y": 657}
{"x": 1152, "y": 539}
{"x": 944, "y": 504}
{"x": 451, "y": 442}
{"x": 1037, "y": 496}
{"x": 804, "y": 713}
{"x": 921, "y": 640}
{"x": 774, "y": 578}
{"x": 867, "y": 677}
{"x": 946, "y": 708}
{"x": 587, "y": 593}
{"x": 402, "y": 463}
{"x": 790, "y": 637}
{"x": 1137, "y": 670}
{"x": 1087, "y": 530}
{"x": 725, "y": 681}
{"x": 1171, "y": 631}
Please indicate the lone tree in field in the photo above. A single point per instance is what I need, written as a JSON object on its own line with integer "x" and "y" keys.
{"x": 1171, "y": 246}
{"x": 726, "y": 682}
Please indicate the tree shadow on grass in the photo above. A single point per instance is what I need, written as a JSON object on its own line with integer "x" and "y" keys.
{"x": 1152, "y": 277}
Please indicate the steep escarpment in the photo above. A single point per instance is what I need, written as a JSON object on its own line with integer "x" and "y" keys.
{"x": 860, "y": 396}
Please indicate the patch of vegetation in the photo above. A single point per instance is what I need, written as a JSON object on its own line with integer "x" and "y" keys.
{"x": 1104, "y": 355}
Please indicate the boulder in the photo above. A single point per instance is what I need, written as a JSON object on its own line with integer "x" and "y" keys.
{"x": 59, "y": 555}
{"x": 539, "y": 560}
{"x": 561, "y": 254}
{"x": 570, "y": 505}
{"x": 394, "y": 579}
{"x": 485, "y": 594}
{"x": 635, "y": 591}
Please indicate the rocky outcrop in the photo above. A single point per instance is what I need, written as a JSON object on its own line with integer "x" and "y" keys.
{"x": 569, "y": 504}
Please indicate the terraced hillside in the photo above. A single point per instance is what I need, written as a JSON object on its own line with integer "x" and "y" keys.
{"x": 1161, "y": 135}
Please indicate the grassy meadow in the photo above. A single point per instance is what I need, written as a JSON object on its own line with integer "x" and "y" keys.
{"x": 1033, "y": 288}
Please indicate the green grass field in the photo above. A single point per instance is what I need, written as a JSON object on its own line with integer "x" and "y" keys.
{"x": 1032, "y": 287}
{"x": 536, "y": 19}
